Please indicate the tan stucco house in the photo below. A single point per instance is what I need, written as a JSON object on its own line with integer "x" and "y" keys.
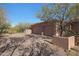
{"x": 45, "y": 28}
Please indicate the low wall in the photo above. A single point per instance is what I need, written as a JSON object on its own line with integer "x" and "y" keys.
{"x": 77, "y": 40}
{"x": 64, "y": 42}
{"x": 71, "y": 42}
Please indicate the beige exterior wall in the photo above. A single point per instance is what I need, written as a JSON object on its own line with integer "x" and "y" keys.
{"x": 71, "y": 42}
{"x": 64, "y": 42}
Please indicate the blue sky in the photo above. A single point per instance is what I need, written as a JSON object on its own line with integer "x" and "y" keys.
{"x": 17, "y": 13}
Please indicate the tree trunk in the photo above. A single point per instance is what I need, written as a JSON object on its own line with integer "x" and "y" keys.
{"x": 61, "y": 32}
{"x": 61, "y": 28}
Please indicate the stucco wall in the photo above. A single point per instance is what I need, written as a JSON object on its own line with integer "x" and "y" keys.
{"x": 71, "y": 42}
{"x": 77, "y": 40}
{"x": 64, "y": 42}
{"x": 44, "y": 28}
{"x": 75, "y": 27}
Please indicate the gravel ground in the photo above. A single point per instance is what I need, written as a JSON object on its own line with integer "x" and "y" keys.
{"x": 29, "y": 45}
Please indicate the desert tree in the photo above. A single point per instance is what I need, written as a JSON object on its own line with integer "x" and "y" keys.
{"x": 4, "y": 24}
{"x": 22, "y": 26}
{"x": 59, "y": 12}
{"x": 75, "y": 12}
